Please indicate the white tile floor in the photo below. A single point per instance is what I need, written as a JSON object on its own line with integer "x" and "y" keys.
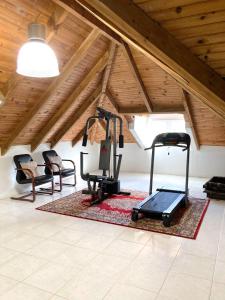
{"x": 49, "y": 256}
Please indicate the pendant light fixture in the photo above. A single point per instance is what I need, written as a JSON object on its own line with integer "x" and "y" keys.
{"x": 35, "y": 57}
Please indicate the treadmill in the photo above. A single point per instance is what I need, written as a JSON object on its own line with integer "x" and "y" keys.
{"x": 164, "y": 202}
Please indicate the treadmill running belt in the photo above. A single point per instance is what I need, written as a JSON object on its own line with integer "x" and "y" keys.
{"x": 160, "y": 202}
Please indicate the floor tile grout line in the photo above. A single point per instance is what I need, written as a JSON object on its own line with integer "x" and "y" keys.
{"x": 169, "y": 269}
{"x": 62, "y": 227}
{"x": 131, "y": 261}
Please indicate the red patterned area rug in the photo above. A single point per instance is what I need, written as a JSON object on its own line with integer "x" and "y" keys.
{"x": 117, "y": 210}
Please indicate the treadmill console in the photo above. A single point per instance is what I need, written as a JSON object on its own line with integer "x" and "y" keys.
{"x": 172, "y": 139}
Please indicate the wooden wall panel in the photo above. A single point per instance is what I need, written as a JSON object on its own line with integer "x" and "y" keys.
{"x": 210, "y": 128}
{"x": 199, "y": 24}
{"x": 122, "y": 83}
{"x": 79, "y": 125}
{"x": 161, "y": 87}
{"x": 66, "y": 40}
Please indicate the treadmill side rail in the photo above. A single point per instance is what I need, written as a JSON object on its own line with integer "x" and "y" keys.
{"x": 174, "y": 205}
{"x": 140, "y": 204}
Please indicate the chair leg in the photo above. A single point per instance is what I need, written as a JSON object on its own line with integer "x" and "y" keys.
{"x": 61, "y": 183}
{"x": 24, "y": 198}
{"x": 75, "y": 179}
{"x": 53, "y": 186}
{"x": 54, "y": 190}
{"x": 34, "y": 193}
{"x": 45, "y": 190}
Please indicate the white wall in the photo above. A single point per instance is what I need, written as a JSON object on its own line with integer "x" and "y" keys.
{"x": 207, "y": 162}
{"x": 8, "y": 185}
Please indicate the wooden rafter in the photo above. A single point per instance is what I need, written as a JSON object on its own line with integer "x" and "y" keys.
{"x": 116, "y": 107}
{"x": 108, "y": 68}
{"x": 179, "y": 109}
{"x": 133, "y": 110}
{"x": 58, "y": 17}
{"x": 93, "y": 131}
{"x": 76, "y": 116}
{"x": 188, "y": 112}
{"x": 76, "y": 9}
{"x": 139, "y": 30}
{"x": 105, "y": 81}
{"x": 99, "y": 66}
{"x": 134, "y": 69}
{"x": 80, "y": 134}
{"x": 54, "y": 86}
{"x": 112, "y": 100}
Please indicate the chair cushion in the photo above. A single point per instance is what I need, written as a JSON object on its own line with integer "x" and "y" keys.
{"x": 39, "y": 180}
{"x": 65, "y": 172}
{"x": 56, "y": 160}
{"x": 31, "y": 165}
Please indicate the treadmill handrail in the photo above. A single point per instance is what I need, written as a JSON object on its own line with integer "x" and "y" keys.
{"x": 157, "y": 146}
{"x": 172, "y": 139}
{"x": 158, "y": 142}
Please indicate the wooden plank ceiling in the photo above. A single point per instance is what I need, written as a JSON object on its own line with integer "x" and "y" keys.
{"x": 38, "y": 110}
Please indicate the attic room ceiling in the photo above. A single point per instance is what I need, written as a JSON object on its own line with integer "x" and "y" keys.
{"x": 92, "y": 73}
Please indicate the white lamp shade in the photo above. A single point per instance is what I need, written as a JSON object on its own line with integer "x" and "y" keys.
{"x": 37, "y": 59}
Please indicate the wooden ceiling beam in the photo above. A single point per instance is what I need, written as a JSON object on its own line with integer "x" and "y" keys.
{"x": 105, "y": 81}
{"x": 80, "y": 53}
{"x": 108, "y": 68}
{"x": 80, "y": 134}
{"x": 79, "y": 11}
{"x": 176, "y": 109}
{"x": 68, "y": 124}
{"x": 140, "y": 31}
{"x": 179, "y": 109}
{"x": 57, "y": 18}
{"x": 128, "y": 119}
{"x": 92, "y": 134}
{"x": 189, "y": 115}
{"x": 112, "y": 100}
{"x": 96, "y": 69}
{"x": 134, "y": 69}
{"x": 141, "y": 109}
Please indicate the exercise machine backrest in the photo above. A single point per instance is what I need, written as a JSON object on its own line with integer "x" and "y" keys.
{"x": 172, "y": 139}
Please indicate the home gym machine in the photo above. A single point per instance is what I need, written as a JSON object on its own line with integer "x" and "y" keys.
{"x": 165, "y": 202}
{"x": 102, "y": 186}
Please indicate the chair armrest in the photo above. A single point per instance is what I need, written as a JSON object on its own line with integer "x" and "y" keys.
{"x": 73, "y": 163}
{"x": 24, "y": 169}
{"x": 47, "y": 165}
